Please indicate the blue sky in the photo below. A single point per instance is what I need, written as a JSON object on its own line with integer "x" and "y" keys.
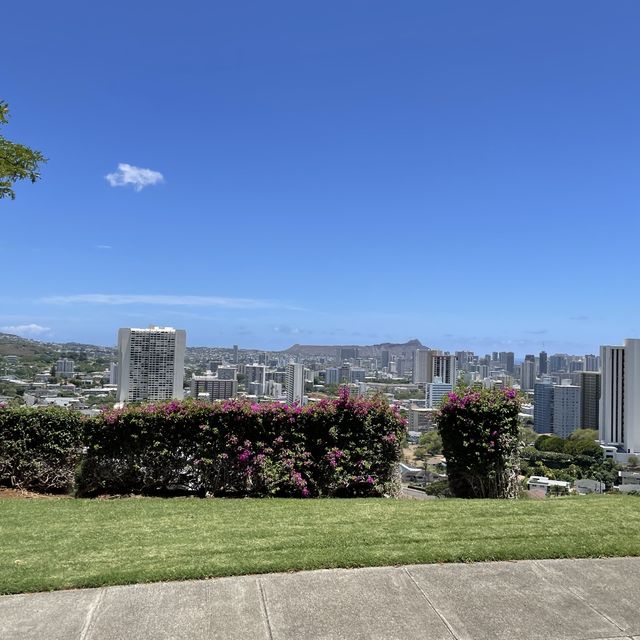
{"x": 466, "y": 173}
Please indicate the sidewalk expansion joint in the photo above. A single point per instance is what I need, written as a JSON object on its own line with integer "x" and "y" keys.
{"x": 426, "y": 597}
{"x": 577, "y": 594}
{"x": 86, "y": 627}
{"x": 263, "y": 599}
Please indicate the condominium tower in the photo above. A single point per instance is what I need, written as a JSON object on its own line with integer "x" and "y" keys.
{"x": 150, "y": 364}
{"x": 620, "y": 395}
{"x": 295, "y": 383}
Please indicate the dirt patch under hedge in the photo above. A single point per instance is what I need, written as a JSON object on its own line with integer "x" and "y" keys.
{"x": 20, "y": 494}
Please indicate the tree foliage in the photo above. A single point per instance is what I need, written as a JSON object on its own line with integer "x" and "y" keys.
{"x": 429, "y": 444}
{"x": 17, "y": 161}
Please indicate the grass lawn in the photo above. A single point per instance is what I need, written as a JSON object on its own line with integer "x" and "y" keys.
{"x": 60, "y": 543}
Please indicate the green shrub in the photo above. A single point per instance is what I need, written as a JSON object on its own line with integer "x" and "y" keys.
{"x": 39, "y": 448}
{"x": 480, "y": 440}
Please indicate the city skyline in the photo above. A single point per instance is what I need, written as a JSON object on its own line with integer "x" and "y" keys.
{"x": 363, "y": 173}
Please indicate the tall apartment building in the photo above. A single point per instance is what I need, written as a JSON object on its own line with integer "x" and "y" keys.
{"x": 620, "y": 395}
{"x": 566, "y": 409}
{"x": 612, "y": 395}
{"x": 543, "y": 407}
{"x": 436, "y": 391}
{"x": 385, "y": 359}
{"x": 528, "y": 373}
{"x": 227, "y": 373}
{"x": 558, "y": 363}
{"x": 543, "y": 365}
{"x": 255, "y": 373}
{"x": 443, "y": 368}
{"x": 507, "y": 360}
{"x": 556, "y": 408}
{"x": 591, "y": 362}
{"x": 589, "y": 382}
{"x": 65, "y": 368}
{"x": 295, "y": 383}
{"x": 150, "y": 364}
{"x": 422, "y": 371}
{"x": 215, "y": 388}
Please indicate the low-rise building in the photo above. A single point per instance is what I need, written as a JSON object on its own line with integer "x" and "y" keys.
{"x": 542, "y": 484}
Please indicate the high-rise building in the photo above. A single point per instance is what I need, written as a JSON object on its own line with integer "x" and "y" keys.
{"x": 507, "y": 360}
{"x": 227, "y": 373}
{"x": 65, "y": 368}
{"x": 543, "y": 366}
{"x": 150, "y": 364}
{"x": 620, "y": 395}
{"x": 385, "y": 358}
{"x": 528, "y": 373}
{"x": 357, "y": 374}
{"x": 295, "y": 383}
{"x": 113, "y": 373}
{"x": 464, "y": 360}
{"x": 332, "y": 375}
{"x": 215, "y": 388}
{"x": 422, "y": 371}
{"x": 558, "y": 363}
{"x": 435, "y": 391}
{"x": 591, "y": 362}
{"x": 543, "y": 407}
{"x": 589, "y": 399}
{"x": 255, "y": 373}
{"x": 612, "y": 395}
{"x": 235, "y": 354}
{"x": 566, "y": 409}
{"x": 443, "y": 368}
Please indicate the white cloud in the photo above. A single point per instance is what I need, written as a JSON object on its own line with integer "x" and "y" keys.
{"x": 26, "y": 330}
{"x": 104, "y": 246}
{"x": 136, "y": 176}
{"x": 167, "y": 300}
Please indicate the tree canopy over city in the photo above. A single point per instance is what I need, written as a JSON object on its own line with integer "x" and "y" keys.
{"x": 17, "y": 161}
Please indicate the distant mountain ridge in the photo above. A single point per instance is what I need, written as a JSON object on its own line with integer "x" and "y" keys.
{"x": 12, "y": 345}
{"x": 364, "y": 351}
{"x": 26, "y": 347}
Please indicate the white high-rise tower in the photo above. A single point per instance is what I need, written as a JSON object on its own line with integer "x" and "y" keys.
{"x": 295, "y": 383}
{"x": 150, "y": 364}
{"x": 620, "y": 395}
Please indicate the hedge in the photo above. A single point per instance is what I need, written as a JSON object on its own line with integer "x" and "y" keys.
{"x": 343, "y": 447}
{"x": 39, "y": 448}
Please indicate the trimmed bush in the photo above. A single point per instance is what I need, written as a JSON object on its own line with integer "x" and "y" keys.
{"x": 343, "y": 447}
{"x": 480, "y": 441}
{"x": 39, "y": 448}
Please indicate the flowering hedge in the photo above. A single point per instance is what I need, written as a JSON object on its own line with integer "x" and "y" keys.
{"x": 343, "y": 447}
{"x": 480, "y": 441}
{"x": 39, "y": 448}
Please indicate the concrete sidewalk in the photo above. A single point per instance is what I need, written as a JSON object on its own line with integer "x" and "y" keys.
{"x": 549, "y": 599}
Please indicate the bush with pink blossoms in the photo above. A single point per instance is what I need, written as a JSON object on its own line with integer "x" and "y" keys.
{"x": 344, "y": 447}
{"x": 480, "y": 441}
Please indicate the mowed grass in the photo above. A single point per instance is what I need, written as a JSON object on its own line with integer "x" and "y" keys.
{"x": 58, "y": 544}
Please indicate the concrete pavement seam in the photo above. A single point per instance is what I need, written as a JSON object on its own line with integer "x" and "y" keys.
{"x": 263, "y": 599}
{"x": 583, "y": 599}
{"x": 86, "y": 627}
{"x": 426, "y": 597}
